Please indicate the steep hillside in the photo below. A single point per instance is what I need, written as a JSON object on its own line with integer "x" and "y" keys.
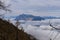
{"x": 10, "y": 32}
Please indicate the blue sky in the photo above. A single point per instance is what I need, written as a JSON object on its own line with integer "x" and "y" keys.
{"x": 35, "y": 7}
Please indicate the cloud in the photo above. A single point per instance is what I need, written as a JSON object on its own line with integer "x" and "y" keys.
{"x": 39, "y": 7}
{"x": 6, "y": 2}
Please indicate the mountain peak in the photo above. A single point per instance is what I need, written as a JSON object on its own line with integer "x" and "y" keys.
{"x": 28, "y": 17}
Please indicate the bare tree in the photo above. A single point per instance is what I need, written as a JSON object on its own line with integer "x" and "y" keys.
{"x": 55, "y": 29}
{"x": 50, "y": 24}
{"x": 3, "y": 7}
{"x": 17, "y": 23}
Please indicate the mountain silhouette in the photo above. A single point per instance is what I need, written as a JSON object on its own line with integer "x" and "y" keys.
{"x": 28, "y": 16}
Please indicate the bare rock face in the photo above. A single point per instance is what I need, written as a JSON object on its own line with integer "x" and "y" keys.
{"x": 10, "y": 32}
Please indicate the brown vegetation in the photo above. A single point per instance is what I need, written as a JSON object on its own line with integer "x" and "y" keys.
{"x": 10, "y": 32}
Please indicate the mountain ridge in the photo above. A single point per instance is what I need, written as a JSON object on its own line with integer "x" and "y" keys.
{"x": 31, "y": 17}
{"x": 34, "y": 18}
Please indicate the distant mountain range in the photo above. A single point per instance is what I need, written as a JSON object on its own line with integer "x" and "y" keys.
{"x": 29, "y": 17}
{"x": 34, "y": 18}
